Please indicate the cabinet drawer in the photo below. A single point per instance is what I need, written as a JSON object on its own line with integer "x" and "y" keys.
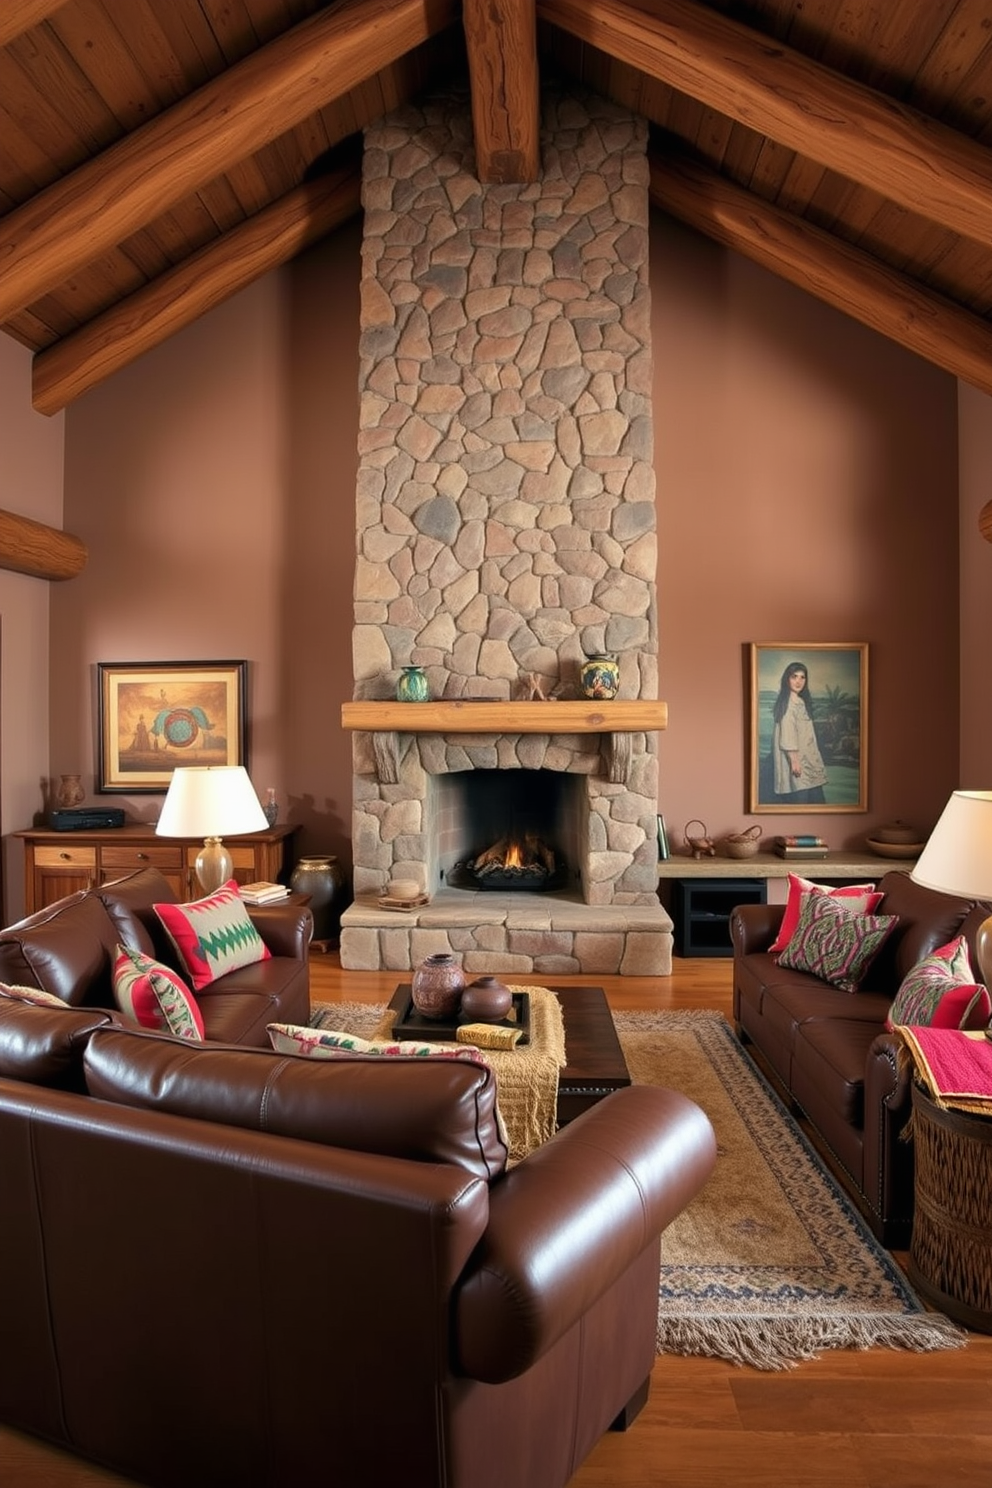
{"x": 70, "y": 856}
{"x": 133, "y": 855}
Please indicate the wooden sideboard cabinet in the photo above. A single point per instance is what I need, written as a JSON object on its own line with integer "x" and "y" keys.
{"x": 59, "y": 863}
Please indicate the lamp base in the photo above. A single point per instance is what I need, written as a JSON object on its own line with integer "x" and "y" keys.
{"x": 214, "y": 865}
{"x": 983, "y": 945}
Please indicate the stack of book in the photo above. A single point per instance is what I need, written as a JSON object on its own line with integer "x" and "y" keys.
{"x": 262, "y": 892}
{"x": 801, "y": 846}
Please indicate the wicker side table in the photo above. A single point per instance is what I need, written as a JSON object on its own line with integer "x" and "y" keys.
{"x": 950, "y": 1258}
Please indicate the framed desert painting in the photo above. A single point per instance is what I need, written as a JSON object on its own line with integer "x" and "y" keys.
{"x": 808, "y": 726}
{"x": 153, "y": 716}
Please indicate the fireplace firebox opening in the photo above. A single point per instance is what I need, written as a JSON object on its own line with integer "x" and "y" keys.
{"x": 509, "y": 829}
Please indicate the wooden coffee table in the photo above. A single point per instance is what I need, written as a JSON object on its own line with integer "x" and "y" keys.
{"x": 595, "y": 1065}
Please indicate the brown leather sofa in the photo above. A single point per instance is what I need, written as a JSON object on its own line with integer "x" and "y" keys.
{"x": 829, "y": 1051}
{"x": 69, "y": 949}
{"x": 231, "y": 1267}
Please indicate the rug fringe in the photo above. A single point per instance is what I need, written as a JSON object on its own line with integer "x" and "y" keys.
{"x": 782, "y": 1343}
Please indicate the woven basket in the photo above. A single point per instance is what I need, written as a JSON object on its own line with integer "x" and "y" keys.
{"x": 743, "y": 844}
{"x": 951, "y": 1249}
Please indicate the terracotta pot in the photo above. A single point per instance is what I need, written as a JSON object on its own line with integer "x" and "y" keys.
{"x": 486, "y": 1000}
{"x": 437, "y": 986}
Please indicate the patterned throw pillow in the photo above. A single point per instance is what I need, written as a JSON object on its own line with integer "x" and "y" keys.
{"x": 152, "y": 995}
{"x": 213, "y": 935}
{"x": 35, "y": 995}
{"x": 833, "y": 944}
{"x": 324, "y": 1043}
{"x": 941, "y": 992}
{"x": 858, "y": 898}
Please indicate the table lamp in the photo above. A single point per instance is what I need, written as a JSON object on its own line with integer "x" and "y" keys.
{"x": 958, "y": 860}
{"x": 211, "y": 801}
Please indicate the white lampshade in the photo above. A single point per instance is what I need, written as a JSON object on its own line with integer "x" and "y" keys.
{"x": 211, "y": 801}
{"x": 958, "y": 860}
{"x": 958, "y": 856}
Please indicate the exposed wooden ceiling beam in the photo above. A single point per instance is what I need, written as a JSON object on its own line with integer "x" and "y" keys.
{"x": 36, "y": 549}
{"x": 148, "y": 171}
{"x": 866, "y": 136}
{"x": 18, "y": 16}
{"x": 501, "y": 38}
{"x": 844, "y": 276}
{"x": 70, "y": 367}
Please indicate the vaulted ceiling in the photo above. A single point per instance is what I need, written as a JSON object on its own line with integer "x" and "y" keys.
{"x": 158, "y": 155}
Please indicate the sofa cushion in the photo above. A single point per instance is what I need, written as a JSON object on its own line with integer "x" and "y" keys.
{"x": 831, "y": 943}
{"x": 437, "y": 1110}
{"x": 213, "y": 935}
{"x": 44, "y": 1045}
{"x": 67, "y": 949}
{"x": 130, "y": 902}
{"x": 326, "y": 1043}
{"x": 155, "y": 996}
{"x": 859, "y": 898}
{"x": 941, "y": 992}
{"x": 927, "y": 919}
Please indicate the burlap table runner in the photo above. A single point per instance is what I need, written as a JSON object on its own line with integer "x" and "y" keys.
{"x": 527, "y": 1076}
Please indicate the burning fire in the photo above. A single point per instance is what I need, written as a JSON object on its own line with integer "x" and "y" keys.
{"x": 514, "y": 857}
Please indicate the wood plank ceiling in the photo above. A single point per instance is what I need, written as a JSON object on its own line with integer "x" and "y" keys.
{"x": 158, "y": 155}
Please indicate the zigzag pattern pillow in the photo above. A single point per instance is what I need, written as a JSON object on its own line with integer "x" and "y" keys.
{"x": 833, "y": 944}
{"x": 155, "y": 996}
{"x": 214, "y": 935}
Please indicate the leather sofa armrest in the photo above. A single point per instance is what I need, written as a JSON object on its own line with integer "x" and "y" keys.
{"x": 287, "y": 929}
{"x": 888, "y": 1157}
{"x": 753, "y": 927}
{"x": 570, "y": 1219}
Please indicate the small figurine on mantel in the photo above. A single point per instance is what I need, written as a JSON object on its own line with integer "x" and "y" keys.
{"x": 530, "y": 689}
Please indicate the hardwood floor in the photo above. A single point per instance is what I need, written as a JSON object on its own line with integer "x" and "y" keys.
{"x": 882, "y": 1418}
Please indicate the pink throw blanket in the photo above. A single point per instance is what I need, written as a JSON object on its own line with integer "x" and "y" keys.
{"x": 955, "y": 1067}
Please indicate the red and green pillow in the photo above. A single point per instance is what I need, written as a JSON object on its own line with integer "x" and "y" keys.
{"x": 941, "y": 992}
{"x": 213, "y": 935}
{"x": 858, "y": 898}
{"x": 835, "y": 944}
{"x": 326, "y": 1043}
{"x": 153, "y": 996}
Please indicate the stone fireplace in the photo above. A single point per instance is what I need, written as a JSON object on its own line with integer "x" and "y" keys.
{"x": 506, "y": 529}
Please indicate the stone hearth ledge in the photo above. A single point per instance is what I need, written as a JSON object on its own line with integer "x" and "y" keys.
{"x": 521, "y": 933}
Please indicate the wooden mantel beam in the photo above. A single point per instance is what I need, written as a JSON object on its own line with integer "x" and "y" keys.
{"x": 844, "y": 276}
{"x": 110, "y": 341}
{"x": 501, "y": 38}
{"x": 43, "y": 552}
{"x": 148, "y": 171}
{"x": 18, "y": 16}
{"x": 866, "y": 136}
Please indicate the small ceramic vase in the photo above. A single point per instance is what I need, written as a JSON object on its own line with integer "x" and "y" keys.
{"x": 599, "y": 676}
{"x": 438, "y": 983}
{"x": 271, "y": 807}
{"x": 69, "y": 791}
{"x": 486, "y": 1000}
{"x": 413, "y": 686}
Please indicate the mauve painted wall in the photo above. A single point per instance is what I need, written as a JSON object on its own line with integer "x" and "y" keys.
{"x": 975, "y": 443}
{"x": 30, "y": 486}
{"x": 807, "y": 489}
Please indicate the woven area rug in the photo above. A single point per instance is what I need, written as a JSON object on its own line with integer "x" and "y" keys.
{"x": 771, "y": 1263}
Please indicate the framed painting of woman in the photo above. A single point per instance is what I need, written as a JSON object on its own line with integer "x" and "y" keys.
{"x": 808, "y": 726}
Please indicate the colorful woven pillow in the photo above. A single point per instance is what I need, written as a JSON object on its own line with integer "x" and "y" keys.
{"x": 858, "y": 898}
{"x": 941, "y": 992}
{"x": 213, "y": 935}
{"x": 154, "y": 996}
{"x": 35, "y": 995}
{"x": 324, "y": 1043}
{"x": 833, "y": 944}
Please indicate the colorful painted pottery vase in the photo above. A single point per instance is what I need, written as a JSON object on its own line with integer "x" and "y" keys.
{"x": 438, "y": 983}
{"x": 486, "y": 1000}
{"x": 320, "y": 876}
{"x": 599, "y": 676}
{"x": 413, "y": 686}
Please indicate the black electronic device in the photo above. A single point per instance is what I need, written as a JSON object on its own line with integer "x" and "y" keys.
{"x": 87, "y": 818}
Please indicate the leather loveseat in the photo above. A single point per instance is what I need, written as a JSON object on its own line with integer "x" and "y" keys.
{"x": 233, "y": 1267}
{"x": 69, "y": 949}
{"x": 829, "y": 1051}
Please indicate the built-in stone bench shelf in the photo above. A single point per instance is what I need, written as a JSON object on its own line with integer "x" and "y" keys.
{"x": 615, "y": 720}
{"x": 518, "y": 933}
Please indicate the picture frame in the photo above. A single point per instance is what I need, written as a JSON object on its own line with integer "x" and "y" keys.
{"x": 826, "y": 770}
{"x": 153, "y": 716}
